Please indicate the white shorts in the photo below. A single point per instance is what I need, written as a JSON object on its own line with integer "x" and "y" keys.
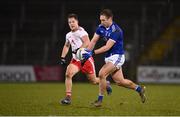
{"x": 117, "y": 60}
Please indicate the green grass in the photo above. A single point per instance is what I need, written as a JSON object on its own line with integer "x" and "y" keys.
{"x": 43, "y": 99}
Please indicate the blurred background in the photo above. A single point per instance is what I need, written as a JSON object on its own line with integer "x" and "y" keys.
{"x": 32, "y": 35}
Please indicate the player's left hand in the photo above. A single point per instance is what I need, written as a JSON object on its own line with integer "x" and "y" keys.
{"x": 88, "y": 54}
{"x": 62, "y": 61}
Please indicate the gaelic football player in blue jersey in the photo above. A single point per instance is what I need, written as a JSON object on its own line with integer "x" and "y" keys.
{"x": 112, "y": 34}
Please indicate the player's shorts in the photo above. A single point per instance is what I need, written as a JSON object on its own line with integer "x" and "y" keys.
{"x": 87, "y": 67}
{"x": 117, "y": 60}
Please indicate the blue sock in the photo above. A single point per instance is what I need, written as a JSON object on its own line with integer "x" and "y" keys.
{"x": 100, "y": 97}
{"x": 138, "y": 88}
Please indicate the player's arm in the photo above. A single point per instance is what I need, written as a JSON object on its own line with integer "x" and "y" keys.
{"x": 65, "y": 49}
{"x": 112, "y": 40}
{"x": 93, "y": 41}
{"x": 91, "y": 46}
{"x": 86, "y": 41}
{"x": 106, "y": 47}
{"x": 103, "y": 49}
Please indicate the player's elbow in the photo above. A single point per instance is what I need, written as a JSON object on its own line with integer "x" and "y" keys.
{"x": 106, "y": 48}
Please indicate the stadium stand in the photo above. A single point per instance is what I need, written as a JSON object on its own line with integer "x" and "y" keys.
{"x": 164, "y": 44}
{"x": 33, "y": 32}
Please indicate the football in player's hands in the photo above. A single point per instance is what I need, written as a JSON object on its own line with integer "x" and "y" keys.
{"x": 80, "y": 53}
{"x": 88, "y": 54}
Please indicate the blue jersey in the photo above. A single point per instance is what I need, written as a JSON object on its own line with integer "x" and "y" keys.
{"x": 115, "y": 33}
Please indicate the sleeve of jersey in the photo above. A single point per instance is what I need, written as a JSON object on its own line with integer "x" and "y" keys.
{"x": 114, "y": 36}
{"x": 83, "y": 33}
{"x": 67, "y": 38}
{"x": 98, "y": 31}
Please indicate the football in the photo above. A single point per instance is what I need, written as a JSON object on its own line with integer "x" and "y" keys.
{"x": 80, "y": 53}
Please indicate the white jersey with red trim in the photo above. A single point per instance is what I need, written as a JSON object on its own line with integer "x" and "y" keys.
{"x": 75, "y": 39}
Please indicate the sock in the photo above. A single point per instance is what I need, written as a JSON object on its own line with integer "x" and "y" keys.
{"x": 138, "y": 88}
{"x": 68, "y": 94}
{"x": 100, "y": 97}
{"x": 108, "y": 88}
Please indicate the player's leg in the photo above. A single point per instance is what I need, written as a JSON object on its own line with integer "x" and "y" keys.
{"x": 92, "y": 78}
{"x": 95, "y": 80}
{"x": 118, "y": 77}
{"x": 70, "y": 72}
{"x": 103, "y": 73}
{"x": 89, "y": 69}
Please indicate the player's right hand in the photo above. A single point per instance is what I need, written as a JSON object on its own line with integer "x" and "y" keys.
{"x": 87, "y": 55}
{"x": 62, "y": 61}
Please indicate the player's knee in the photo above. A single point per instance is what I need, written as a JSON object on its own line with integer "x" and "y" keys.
{"x": 120, "y": 83}
{"x": 102, "y": 75}
{"x": 93, "y": 81}
{"x": 124, "y": 83}
{"x": 69, "y": 75}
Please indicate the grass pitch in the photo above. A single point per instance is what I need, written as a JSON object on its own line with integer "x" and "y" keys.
{"x": 43, "y": 99}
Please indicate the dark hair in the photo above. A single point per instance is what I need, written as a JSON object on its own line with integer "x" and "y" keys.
{"x": 107, "y": 12}
{"x": 72, "y": 15}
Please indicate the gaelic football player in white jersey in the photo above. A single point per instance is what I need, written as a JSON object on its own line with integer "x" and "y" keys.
{"x": 77, "y": 38}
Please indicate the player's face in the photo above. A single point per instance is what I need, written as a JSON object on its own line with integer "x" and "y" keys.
{"x": 106, "y": 22}
{"x": 73, "y": 24}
